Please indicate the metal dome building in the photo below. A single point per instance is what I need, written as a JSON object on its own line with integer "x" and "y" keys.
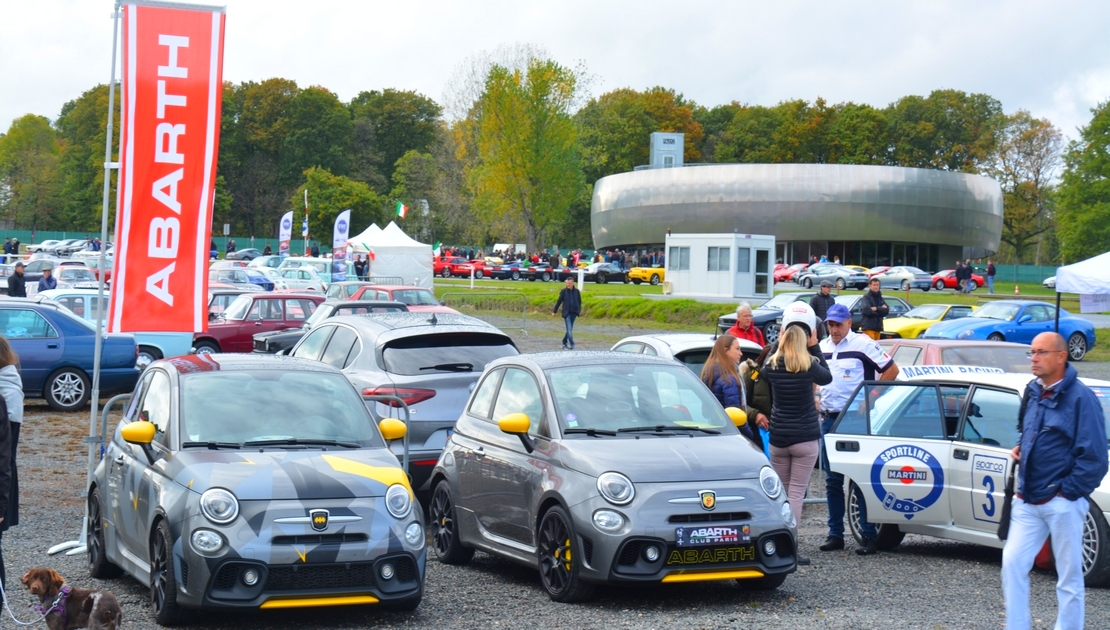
{"x": 869, "y": 215}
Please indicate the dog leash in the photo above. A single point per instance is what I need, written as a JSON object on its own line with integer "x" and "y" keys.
{"x": 4, "y": 596}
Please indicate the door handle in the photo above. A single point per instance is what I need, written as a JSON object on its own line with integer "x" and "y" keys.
{"x": 960, "y": 453}
{"x": 480, "y": 453}
{"x": 119, "y": 459}
{"x": 848, "y": 446}
{"x": 51, "y": 345}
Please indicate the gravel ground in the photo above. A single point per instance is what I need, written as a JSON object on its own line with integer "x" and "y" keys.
{"x": 926, "y": 583}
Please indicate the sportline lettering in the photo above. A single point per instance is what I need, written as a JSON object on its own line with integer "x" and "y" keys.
{"x": 172, "y": 88}
{"x": 905, "y": 451}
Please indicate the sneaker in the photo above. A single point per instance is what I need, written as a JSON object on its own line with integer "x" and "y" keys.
{"x": 565, "y": 347}
{"x": 803, "y": 561}
{"x": 868, "y": 548}
{"x": 832, "y": 543}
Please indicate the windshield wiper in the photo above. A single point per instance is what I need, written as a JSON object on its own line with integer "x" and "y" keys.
{"x": 451, "y": 367}
{"x": 590, "y": 432}
{"x": 212, "y": 445}
{"x": 667, "y": 427}
{"x": 301, "y": 442}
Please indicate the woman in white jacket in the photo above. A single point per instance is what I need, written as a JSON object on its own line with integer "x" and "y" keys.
{"x": 11, "y": 388}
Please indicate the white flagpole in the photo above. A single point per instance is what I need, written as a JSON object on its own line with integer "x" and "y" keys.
{"x": 78, "y": 546}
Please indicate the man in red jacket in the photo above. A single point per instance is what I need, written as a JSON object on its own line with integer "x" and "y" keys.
{"x": 744, "y": 328}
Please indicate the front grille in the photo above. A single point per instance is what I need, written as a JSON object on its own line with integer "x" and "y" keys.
{"x": 588, "y": 550}
{"x": 319, "y": 539}
{"x": 303, "y": 577}
{"x": 710, "y": 517}
{"x": 630, "y": 553}
{"x": 225, "y": 579}
{"x": 405, "y": 569}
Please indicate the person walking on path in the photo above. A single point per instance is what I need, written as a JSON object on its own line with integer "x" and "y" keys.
{"x": 852, "y": 359}
{"x": 722, "y": 376}
{"x": 820, "y": 304}
{"x": 11, "y": 392}
{"x": 793, "y": 370}
{"x": 571, "y": 301}
{"x": 1061, "y": 459}
{"x": 17, "y": 282}
{"x": 991, "y": 270}
{"x": 744, "y": 328}
{"x": 873, "y": 308}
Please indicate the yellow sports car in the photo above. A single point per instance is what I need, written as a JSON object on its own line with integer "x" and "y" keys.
{"x": 857, "y": 268}
{"x": 918, "y": 320}
{"x": 654, "y": 275}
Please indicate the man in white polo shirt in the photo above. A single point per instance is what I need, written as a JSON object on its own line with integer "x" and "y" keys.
{"x": 852, "y": 358}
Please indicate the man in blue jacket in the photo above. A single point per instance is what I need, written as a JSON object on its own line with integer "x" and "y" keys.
{"x": 1063, "y": 458}
{"x": 571, "y": 301}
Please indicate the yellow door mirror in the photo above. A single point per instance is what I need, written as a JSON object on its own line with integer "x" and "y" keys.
{"x": 392, "y": 429}
{"x": 737, "y": 415}
{"x": 140, "y": 432}
{"x": 515, "y": 423}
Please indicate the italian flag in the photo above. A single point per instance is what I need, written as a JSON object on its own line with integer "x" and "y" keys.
{"x": 402, "y": 209}
{"x": 438, "y": 249}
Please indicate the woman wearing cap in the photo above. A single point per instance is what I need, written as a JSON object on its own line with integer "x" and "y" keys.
{"x": 794, "y": 370}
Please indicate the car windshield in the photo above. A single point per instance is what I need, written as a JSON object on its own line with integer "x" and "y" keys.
{"x": 634, "y": 397}
{"x": 239, "y": 307}
{"x": 998, "y": 310}
{"x": 259, "y": 405}
{"x": 780, "y": 301}
{"x": 444, "y": 353}
{"x": 414, "y": 297}
{"x": 78, "y": 274}
{"x": 320, "y": 314}
{"x": 913, "y": 270}
{"x": 929, "y": 311}
{"x": 1009, "y": 358}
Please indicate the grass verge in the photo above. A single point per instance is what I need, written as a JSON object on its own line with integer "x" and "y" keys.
{"x": 1101, "y": 351}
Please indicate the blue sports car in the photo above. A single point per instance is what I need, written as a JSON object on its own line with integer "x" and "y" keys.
{"x": 1019, "y": 321}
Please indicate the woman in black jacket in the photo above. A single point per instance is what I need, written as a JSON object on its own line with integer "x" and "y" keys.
{"x": 793, "y": 372}
{"x": 720, "y": 374}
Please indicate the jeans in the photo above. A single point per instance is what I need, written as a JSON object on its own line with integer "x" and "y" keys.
{"x": 1030, "y": 525}
{"x": 990, "y": 284}
{"x": 568, "y": 338}
{"x": 834, "y": 492}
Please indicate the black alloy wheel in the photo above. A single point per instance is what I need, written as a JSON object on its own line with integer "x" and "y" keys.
{"x": 558, "y": 555}
{"x": 99, "y": 566}
{"x": 163, "y": 583}
{"x": 445, "y": 534}
{"x": 636, "y": 281}
{"x": 601, "y": 278}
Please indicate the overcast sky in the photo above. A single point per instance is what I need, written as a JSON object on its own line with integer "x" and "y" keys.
{"x": 1051, "y": 58}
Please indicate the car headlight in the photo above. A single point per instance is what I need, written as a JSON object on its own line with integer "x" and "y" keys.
{"x": 398, "y": 501}
{"x": 616, "y": 488}
{"x": 964, "y": 334}
{"x": 770, "y": 483}
{"x": 219, "y": 506}
{"x": 206, "y": 541}
{"x": 608, "y": 521}
{"x": 788, "y": 515}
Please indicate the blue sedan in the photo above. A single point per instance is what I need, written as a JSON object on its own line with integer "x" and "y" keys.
{"x": 55, "y": 349}
{"x": 1019, "y": 321}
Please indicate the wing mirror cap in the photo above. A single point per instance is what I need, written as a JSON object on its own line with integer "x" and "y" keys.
{"x": 138, "y": 432}
{"x": 737, "y": 415}
{"x": 515, "y": 423}
{"x": 1025, "y": 318}
{"x": 392, "y": 429}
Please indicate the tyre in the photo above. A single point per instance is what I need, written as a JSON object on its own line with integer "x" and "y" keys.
{"x": 557, "y": 553}
{"x": 601, "y": 278}
{"x": 479, "y": 274}
{"x": 765, "y": 583}
{"x": 840, "y": 284}
{"x": 808, "y": 283}
{"x": 206, "y": 347}
{"x": 516, "y": 274}
{"x": 771, "y": 332}
{"x": 1077, "y": 346}
{"x": 532, "y": 278}
{"x": 99, "y": 565}
{"x": 636, "y": 281}
{"x": 163, "y": 583}
{"x": 654, "y": 279}
{"x": 446, "y": 545}
{"x": 446, "y": 273}
{"x": 1096, "y": 548}
{"x": 546, "y": 277}
{"x": 147, "y": 355}
{"x": 67, "y": 389}
{"x": 887, "y": 537}
{"x": 995, "y": 337}
{"x": 905, "y": 285}
{"x": 938, "y": 285}
{"x": 972, "y": 285}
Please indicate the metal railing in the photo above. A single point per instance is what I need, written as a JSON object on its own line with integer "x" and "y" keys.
{"x": 498, "y": 303}
{"x": 385, "y": 280}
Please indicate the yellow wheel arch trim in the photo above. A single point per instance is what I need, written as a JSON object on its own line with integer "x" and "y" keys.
{"x": 388, "y": 475}
{"x": 711, "y": 575}
{"x": 312, "y": 602}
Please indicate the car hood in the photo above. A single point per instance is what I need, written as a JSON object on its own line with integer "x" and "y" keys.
{"x": 277, "y": 474}
{"x": 897, "y": 323}
{"x": 665, "y": 459}
{"x": 955, "y": 327}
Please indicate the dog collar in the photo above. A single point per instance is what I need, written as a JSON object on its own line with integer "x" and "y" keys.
{"x": 59, "y": 604}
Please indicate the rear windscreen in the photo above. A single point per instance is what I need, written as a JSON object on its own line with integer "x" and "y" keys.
{"x": 1009, "y": 358}
{"x": 444, "y": 353}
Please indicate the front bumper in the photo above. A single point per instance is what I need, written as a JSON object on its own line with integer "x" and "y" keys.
{"x": 652, "y": 520}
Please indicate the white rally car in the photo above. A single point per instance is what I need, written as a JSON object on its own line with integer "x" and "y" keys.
{"x": 930, "y": 455}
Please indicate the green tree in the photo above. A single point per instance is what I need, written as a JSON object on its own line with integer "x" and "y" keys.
{"x": 949, "y": 130}
{"x": 749, "y": 136}
{"x": 29, "y": 154}
{"x": 529, "y": 171}
{"x": 414, "y": 184}
{"x": 318, "y": 134}
{"x": 1024, "y": 165}
{"x": 81, "y": 127}
{"x": 328, "y": 195}
{"x": 392, "y": 123}
{"x": 714, "y": 122}
{"x": 1083, "y": 215}
{"x": 857, "y": 135}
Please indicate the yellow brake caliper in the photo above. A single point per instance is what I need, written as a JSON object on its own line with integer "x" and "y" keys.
{"x": 567, "y": 556}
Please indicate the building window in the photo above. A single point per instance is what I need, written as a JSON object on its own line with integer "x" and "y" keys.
{"x": 743, "y": 259}
{"x": 678, "y": 259}
{"x": 668, "y": 161}
{"x": 718, "y": 259}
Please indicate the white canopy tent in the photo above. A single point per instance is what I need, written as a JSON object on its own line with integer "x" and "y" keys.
{"x": 1086, "y": 277}
{"x": 395, "y": 254}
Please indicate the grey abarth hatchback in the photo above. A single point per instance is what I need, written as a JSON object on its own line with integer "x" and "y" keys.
{"x": 608, "y": 467}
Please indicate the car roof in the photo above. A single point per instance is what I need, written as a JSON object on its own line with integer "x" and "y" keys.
{"x": 198, "y": 363}
{"x": 406, "y": 324}
{"x": 559, "y": 359}
{"x": 981, "y": 376}
{"x": 680, "y": 342}
{"x": 291, "y": 294}
{"x": 957, "y": 343}
{"x": 362, "y": 303}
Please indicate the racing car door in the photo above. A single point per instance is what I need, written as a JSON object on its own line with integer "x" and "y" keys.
{"x": 981, "y": 457}
{"x": 893, "y": 444}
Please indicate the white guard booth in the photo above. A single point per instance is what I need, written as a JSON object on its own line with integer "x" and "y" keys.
{"x": 721, "y": 265}
{"x": 395, "y": 254}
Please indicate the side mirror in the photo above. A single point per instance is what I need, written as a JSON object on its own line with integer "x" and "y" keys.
{"x": 138, "y": 432}
{"x": 392, "y": 429}
{"x": 518, "y": 424}
{"x": 737, "y": 415}
{"x": 1025, "y": 318}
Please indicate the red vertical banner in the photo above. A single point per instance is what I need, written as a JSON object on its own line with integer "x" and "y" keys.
{"x": 170, "y": 130}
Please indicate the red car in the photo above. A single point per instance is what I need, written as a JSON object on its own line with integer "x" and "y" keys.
{"x": 447, "y": 267}
{"x": 418, "y": 299}
{"x": 234, "y": 329}
{"x": 947, "y": 280}
{"x": 481, "y": 268}
{"x": 788, "y": 273}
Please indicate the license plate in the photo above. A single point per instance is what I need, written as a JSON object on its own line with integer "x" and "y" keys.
{"x": 712, "y": 535}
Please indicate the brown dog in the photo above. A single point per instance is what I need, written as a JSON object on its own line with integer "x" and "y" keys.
{"x": 71, "y": 608}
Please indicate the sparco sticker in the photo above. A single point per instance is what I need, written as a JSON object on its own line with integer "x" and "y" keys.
{"x": 907, "y": 479}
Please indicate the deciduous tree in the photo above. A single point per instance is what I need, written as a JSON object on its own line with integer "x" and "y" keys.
{"x": 399, "y": 121}
{"x": 29, "y": 154}
{"x": 81, "y": 126}
{"x": 1083, "y": 215}
{"x": 328, "y": 195}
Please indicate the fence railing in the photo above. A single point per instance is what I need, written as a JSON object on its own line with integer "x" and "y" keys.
{"x": 385, "y": 279}
{"x": 504, "y": 304}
